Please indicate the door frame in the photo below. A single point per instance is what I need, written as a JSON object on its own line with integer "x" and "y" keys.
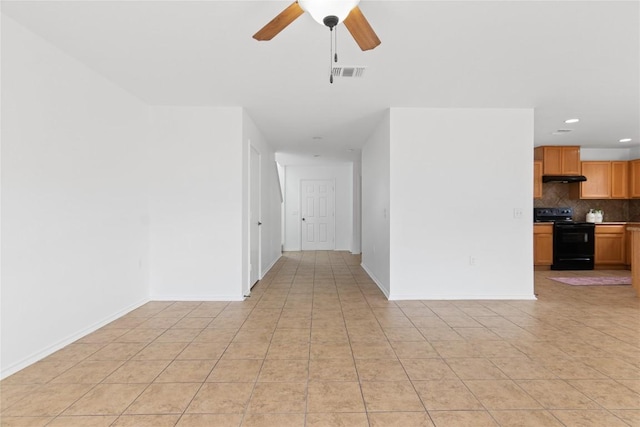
{"x": 333, "y": 186}
{"x": 259, "y": 216}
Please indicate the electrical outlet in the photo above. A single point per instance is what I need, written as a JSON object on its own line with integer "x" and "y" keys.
{"x": 517, "y": 213}
{"x": 472, "y": 260}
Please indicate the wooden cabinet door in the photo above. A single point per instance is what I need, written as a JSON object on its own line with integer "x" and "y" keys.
{"x": 552, "y": 160}
{"x": 598, "y": 184}
{"x": 559, "y": 160}
{"x": 543, "y": 249}
{"x": 610, "y": 245}
{"x": 543, "y": 245}
{"x": 619, "y": 180}
{"x": 537, "y": 179}
{"x": 628, "y": 247}
{"x": 571, "y": 160}
{"x": 634, "y": 179}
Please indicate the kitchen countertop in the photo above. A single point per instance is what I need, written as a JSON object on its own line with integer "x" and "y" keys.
{"x": 612, "y": 223}
{"x": 635, "y": 224}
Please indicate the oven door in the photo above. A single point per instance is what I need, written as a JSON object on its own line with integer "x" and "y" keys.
{"x": 573, "y": 246}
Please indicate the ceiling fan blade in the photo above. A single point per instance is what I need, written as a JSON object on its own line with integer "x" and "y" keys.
{"x": 280, "y": 22}
{"x": 360, "y": 29}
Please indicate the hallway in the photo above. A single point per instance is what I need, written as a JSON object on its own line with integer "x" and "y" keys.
{"x": 318, "y": 344}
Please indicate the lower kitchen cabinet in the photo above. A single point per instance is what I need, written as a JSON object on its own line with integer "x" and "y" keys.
{"x": 610, "y": 245}
{"x": 542, "y": 245}
{"x": 628, "y": 247}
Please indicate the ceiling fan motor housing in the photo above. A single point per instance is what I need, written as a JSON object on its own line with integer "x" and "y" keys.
{"x": 330, "y": 21}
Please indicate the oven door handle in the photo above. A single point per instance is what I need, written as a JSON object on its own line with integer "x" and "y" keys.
{"x": 573, "y": 227}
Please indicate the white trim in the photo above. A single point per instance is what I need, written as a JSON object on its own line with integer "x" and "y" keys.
{"x": 29, "y": 360}
{"x": 249, "y": 285}
{"x": 375, "y": 280}
{"x": 458, "y": 297}
{"x": 182, "y": 297}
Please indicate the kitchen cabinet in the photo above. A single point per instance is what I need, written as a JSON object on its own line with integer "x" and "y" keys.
{"x": 598, "y": 183}
{"x": 634, "y": 179}
{"x": 635, "y": 260}
{"x": 542, "y": 245}
{"x": 537, "y": 179}
{"x": 619, "y": 180}
{"x": 610, "y": 245}
{"x": 558, "y": 160}
{"x": 605, "y": 180}
{"x": 628, "y": 246}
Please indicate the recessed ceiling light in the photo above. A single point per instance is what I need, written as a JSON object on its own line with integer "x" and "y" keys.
{"x": 625, "y": 140}
{"x": 561, "y": 131}
{"x": 572, "y": 120}
{"x": 316, "y": 155}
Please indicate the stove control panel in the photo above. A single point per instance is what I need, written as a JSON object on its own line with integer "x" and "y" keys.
{"x": 552, "y": 214}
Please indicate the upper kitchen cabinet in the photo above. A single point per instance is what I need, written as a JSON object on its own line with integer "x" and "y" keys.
{"x": 605, "y": 180}
{"x": 634, "y": 179}
{"x": 537, "y": 179}
{"x": 558, "y": 160}
{"x": 598, "y": 183}
{"x": 619, "y": 180}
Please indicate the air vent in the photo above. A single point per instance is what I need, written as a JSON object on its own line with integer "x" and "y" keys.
{"x": 349, "y": 71}
{"x": 561, "y": 131}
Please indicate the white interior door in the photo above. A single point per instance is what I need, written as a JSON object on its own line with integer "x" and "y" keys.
{"x": 254, "y": 217}
{"x": 317, "y": 215}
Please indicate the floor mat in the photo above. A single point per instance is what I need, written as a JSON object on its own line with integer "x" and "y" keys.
{"x": 594, "y": 281}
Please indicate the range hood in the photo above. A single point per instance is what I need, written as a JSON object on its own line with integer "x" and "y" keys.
{"x": 566, "y": 179}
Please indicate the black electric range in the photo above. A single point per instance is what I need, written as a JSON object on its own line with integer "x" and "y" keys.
{"x": 573, "y": 242}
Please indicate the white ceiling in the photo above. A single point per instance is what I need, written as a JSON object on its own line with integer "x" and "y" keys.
{"x": 566, "y": 59}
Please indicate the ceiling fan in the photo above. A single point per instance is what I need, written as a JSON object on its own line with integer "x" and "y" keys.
{"x": 325, "y": 12}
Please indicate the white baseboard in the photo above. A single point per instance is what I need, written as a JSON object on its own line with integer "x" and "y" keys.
{"x": 39, "y": 355}
{"x": 199, "y": 297}
{"x": 375, "y": 280}
{"x": 454, "y": 297}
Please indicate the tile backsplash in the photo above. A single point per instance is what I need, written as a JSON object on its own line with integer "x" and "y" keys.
{"x": 555, "y": 194}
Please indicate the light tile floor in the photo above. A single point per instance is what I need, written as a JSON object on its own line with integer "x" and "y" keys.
{"x": 317, "y": 344}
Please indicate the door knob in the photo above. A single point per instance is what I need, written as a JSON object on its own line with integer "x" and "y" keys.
{"x": 303, "y": 219}
{"x": 259, "y": 223}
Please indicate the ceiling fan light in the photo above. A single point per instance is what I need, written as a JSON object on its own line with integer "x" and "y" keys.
{"x": 319, "y": 9}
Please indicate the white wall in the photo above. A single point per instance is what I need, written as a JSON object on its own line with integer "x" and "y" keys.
{"x": 587, "y": 154}
{"x": 456, "y": 177}
{"x": 199, "y": 173}
{"x": 343, "y": 176}
{"x": 195, "y": 203}
{"x": 270, "y": 201}
{"x": 375, "y": 205}
{"x": 74, "y": 232}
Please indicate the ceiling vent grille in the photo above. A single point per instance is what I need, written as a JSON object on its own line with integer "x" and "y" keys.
{"x": 349, "y": 71}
